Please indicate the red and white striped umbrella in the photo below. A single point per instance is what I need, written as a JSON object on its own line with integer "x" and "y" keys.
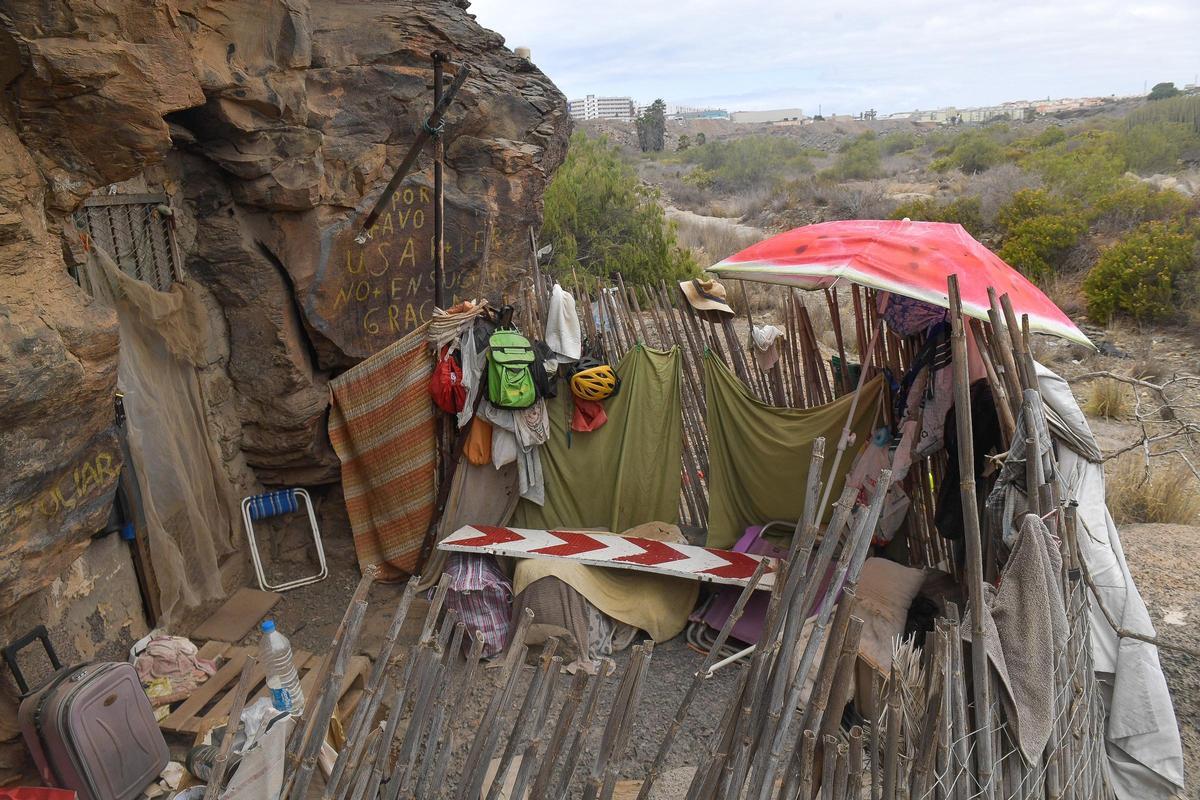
{"x": 913, "y": 259}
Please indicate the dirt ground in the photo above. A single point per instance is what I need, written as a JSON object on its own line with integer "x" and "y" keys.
{"x": 1165, "y": 562}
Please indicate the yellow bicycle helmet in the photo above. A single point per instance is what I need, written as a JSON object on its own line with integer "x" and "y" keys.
{"x": 592, "y": 380}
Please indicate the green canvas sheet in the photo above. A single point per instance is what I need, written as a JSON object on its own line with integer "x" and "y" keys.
{"x": 758, "y": 455}
{"x": 628, "y": 471}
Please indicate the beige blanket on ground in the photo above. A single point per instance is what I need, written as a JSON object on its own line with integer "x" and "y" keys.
{"x": 656, "y": 604}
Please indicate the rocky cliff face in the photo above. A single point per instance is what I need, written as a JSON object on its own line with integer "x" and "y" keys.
{"x": 271, "y": 125}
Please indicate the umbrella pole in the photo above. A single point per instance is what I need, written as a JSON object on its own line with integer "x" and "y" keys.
{"x": 844, "y": 441}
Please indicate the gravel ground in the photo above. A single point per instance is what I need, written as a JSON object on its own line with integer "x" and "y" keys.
{"x": 309, "y": 615}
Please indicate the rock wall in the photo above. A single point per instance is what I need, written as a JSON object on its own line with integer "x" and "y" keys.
{"x": 271, "y": 125}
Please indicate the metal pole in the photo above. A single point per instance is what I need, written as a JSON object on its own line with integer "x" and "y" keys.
{"x": 439, "y": 220}
{"x": 414, "y": 150}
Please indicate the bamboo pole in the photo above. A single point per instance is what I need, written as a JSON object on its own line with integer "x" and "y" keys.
{"x": 221, "y": 761}
{"x": 368, "y": 704}
{"x": 981, "y": 677}
{"x": 854, "y": 790}
{"x": 580, "y": 728}
{"x": 566, "y": 717}
{"x": 698, "y": 679}
{"x": 300, "y": 735}
{"x": 531, "y": 742}
{"x": 844, "y": 439}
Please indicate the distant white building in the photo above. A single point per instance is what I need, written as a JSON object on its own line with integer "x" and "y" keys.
{"x": 593, "y": 107}
{"x": 774, "y": 115}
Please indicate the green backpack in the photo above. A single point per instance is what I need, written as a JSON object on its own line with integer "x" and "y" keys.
{"x": 510, "y": 382}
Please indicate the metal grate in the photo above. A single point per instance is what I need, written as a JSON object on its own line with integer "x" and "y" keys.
{"x": 139, "y": 238}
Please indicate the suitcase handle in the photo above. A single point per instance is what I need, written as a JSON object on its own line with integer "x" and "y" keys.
{"x": 10, "y": 654}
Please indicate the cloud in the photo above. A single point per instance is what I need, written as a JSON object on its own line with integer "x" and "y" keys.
{"x": 893, "y": 56}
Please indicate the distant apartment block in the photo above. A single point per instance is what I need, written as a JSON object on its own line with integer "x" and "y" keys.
{"x": 593, "y": 107}
{"x": 1015, "y": 110}
{"x": 774, "y": 115}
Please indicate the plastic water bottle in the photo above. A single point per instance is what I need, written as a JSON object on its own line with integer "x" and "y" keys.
{"x": 275, "y": 656}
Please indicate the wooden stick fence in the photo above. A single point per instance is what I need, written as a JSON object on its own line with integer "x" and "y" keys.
{"x": 782, "y": 732}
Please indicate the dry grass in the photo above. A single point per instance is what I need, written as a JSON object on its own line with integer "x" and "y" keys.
{"x": 713, "y": 241}
{"x": 1108, "y": 398}
{"x": 1168, "y": 494}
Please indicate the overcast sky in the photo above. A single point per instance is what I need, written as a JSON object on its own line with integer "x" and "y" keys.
{"x": 850, "y": 55}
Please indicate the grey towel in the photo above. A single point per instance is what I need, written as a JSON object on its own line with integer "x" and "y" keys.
{"x": 1025, "y": 630}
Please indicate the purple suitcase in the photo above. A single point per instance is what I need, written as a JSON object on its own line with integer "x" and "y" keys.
{"x": 90, "y": 728}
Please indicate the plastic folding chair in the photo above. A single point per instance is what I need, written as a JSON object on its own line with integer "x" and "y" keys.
{"x": 274, "y": 504}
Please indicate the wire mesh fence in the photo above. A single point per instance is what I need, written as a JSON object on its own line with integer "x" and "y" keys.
{"x": 136, "y": 232}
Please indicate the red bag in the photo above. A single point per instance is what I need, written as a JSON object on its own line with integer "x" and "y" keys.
{"x": 446, "y": 386}
{"x": 589, "y": 415}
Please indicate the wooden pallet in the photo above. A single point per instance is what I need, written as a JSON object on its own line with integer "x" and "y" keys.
{"x": 209, "y": 704}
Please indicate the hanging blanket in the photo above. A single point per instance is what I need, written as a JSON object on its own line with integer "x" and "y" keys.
{"x": 381, "y": 425}
{"x": 759, "y": 454}
{"x": 625, "y": 473}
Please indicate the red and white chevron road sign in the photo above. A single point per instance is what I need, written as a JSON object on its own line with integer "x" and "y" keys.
{"x": 611, "y": 550}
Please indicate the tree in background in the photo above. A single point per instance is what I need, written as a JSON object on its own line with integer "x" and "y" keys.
{"x": 684, "y": 142}
{"x": 652, "y": 127}
{"x": 1162, "y": 91}
{"x": 700, "y": 138}
{"x": 601, "y": 220}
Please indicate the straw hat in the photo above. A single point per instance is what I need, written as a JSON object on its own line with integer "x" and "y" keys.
{"x": 705, "y": 295}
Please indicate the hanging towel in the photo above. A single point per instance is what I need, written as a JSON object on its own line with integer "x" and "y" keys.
{"x": 766, "y": 347}
{"x": 562, "y": 326}
{"x": 1024, "y": 630}
{"x": 382, "y": 428}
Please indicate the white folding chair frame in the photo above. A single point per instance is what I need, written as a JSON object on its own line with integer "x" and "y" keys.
{"x": 321, "y": 574}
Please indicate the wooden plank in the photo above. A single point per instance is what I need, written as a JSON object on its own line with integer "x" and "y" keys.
{"x": 124, "y": 199}
{"x": 237, "y": 616}
{"x": 177, "y": 720}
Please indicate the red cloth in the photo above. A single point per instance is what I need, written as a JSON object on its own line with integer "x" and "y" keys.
{"x": 588, "y": 416}
{"x": 446, "y": 386}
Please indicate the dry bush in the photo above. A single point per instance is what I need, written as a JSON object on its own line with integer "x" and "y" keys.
{"x": 859, "y": 201}
{"x": 713, "y": 241}
{"x": 1108, "y": 398}
{"x": 996, "y": 186}
{"x": 1166, "y": 493}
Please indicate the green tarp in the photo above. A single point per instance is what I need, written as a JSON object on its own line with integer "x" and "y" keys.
{"x": 758, "y": 455}
{"x": 628, "y": 471}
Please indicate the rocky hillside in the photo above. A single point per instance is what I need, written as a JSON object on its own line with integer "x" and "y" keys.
{"x": 270, "y": 125}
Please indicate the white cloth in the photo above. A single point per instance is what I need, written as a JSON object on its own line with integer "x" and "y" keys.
{"x": 1144, "y": 748}
{"x": 515, "y": 437}
{"x": 766, "y": 349}
{"x": 562, "y": 326}
{"x": 472, "y": 360}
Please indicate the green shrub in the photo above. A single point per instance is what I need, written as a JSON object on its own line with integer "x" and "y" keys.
{"x": 1037, "y": 245}
{"x": 971, "y": 152}
{"x": 1050, "y": 136}
{"x": 898, "y": 142}
{"x": 964, "y": 210}
{"x": 1083, "y": 166}
{"x": 601, "y": 220}
{"x": 858, "y": 159}
{"x": 1157, "y": 146}
{"x": 1142, "y": 276}
{"x": 752, "y": 161}
{"x": 1133, "y": 202}
{"x": 1026, "y": 204}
